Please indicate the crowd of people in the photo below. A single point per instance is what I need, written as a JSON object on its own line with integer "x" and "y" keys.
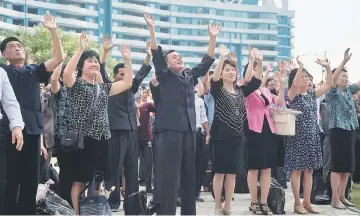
{"x": 187, "y": 117}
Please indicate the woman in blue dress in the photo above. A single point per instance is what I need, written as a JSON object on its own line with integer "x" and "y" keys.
{"x": 303, "y": 151}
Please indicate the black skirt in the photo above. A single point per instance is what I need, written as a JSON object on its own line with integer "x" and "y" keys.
{"x": 262, "y": 148}
{"x": 342, "y": 150}
{"x": 81, "y": 165}
{"x": 228, "y": 155}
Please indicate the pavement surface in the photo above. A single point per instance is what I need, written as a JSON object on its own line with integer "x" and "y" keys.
{"x": 242, "y": 201}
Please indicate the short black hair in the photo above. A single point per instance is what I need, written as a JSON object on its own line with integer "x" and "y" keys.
{"x": 86, "y": 54}
{"x": 169, "y": 52}
{"x": 117, "y": 67}
{"x": 343, "y": 69}
{"x": 292, "y": 76}
{"x": 6, "y": 41}
{"x": 246, "y": 67}
{"x": 229, "y": 62}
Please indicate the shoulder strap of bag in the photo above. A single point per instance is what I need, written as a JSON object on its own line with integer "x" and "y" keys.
{"x": 93, "y": 107}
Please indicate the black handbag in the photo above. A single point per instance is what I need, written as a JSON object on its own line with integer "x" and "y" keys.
{"x": 96, "y": 202}
{"x": 74, "y": 140}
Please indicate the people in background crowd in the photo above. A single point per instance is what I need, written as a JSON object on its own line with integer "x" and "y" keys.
{"x": 343, "y": 125}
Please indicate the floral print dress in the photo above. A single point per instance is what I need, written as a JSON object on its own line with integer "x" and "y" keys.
{"x": 303, "y": 151}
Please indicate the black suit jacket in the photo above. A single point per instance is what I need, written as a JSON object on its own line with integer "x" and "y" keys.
{"x": 176, "y": 109}
{"x": 27, "y": 91}
{"x": 121, "y": 107}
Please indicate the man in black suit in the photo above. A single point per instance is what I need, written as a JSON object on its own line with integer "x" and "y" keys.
{"x": 22, "y": 167}
{"x": 175, "y": 123}
{"x": 123, "y": 147}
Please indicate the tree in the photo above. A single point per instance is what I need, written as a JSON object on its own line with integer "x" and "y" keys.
{"x": 39, "y": 44}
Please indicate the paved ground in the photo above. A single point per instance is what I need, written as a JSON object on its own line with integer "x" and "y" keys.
{"x": 242, "y": 201}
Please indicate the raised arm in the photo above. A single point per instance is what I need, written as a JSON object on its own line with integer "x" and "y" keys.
{"x": 206, "y": 84}
{"x": 50, "y": 24}
{"x": 329, "y": 80}
{"x": 213, "y": 30}
{"x": 126, "y": 83}
{"x": 107, "y": 46}
{"x": 160, "y": 64}
{"x": 54, "y": 80}
{"x": 337, "y": 73}
{"x": 293, "y": 91}
{"x": 68, "y": 77}
{"x": 233, "y": 58}
{"x": 143, "y": 71}
{"x": 251, "y": 59}
{"x": 265, "y": 75}
{"x": 223, "y": 53}
{"x": 259, "y": 68}
{"x": 280, "y": 99}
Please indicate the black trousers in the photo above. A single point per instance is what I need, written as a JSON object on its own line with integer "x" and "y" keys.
{"x": 123, "y": 151}
{"x": 145, "y": 149}
{"x": 22, "y": 172}
{"x": 65, "y": 173}
{"x": 2, "y": 171}
{"x": 44, "y": 163}
{"x": 201, "y": 160}
{"x": 176, "y": 164}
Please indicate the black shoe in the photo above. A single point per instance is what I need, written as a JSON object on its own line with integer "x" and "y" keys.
{"x": 179, "y": 203}
{"x": 114, "y": 207}
{"x": 199, "y": 199}
{"x": 152, "y": 207}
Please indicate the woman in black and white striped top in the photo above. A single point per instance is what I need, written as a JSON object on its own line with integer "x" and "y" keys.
{"x": 227, "y": 128}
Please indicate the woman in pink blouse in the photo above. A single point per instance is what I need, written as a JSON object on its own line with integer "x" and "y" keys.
{"x": 261, "y": 139}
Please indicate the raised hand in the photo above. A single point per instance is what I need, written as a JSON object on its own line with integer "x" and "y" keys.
{"x": 126, "y": 53}
{"x": 251, "y": 53}
{"x": 270, "y": 67}
{"x": 299, "y": 62}
{"x": 154, "y": 80}
{"x": 258, "y": 56}
{"x": 83, "y": 43}
{"x": 148, "y": 49}
{"x": 233, "y": 57}
{"x": 323, "y": 62}
{"x": 49, "y": 21}
{"x": 214, "y": 29}
{"x": 223, "y": 51}
{"x": 347, "y": 55}
{"x": 150, "y": 21}
{"x": 107, "y": 43}
{"x": 282, "y": 66}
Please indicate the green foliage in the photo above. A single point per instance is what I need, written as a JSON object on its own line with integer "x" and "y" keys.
{"x": 39, "y": 44}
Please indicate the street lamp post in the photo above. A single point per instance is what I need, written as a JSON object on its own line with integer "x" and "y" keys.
{"x": 26, "y": 18}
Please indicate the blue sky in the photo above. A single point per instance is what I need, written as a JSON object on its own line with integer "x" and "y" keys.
{"x": 327, "y": 25}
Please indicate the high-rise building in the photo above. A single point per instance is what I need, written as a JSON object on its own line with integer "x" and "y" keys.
{"x": 181, "y": 24}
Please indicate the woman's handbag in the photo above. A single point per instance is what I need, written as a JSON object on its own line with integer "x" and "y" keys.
{"x": 284, "y": 121}
{"x": 74, "y": 140}
{"x": 96, "y": 202}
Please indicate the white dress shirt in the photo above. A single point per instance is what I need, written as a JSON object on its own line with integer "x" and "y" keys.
{"x": 201, "y": 115}
{"x": 9, "y": 102}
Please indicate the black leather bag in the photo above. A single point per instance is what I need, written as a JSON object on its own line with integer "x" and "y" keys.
{"x": 74, "y": 140}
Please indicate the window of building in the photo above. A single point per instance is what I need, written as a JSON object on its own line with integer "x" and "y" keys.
{"x": 163, "y": 41}
{"x": 241, "y": 25}
{"x": 101, "y": 11}
{"x": 91, "y": 20}
{"x": 152, "y": 5}
{"x": 115, "y": 23}
{"x": 253, "y": 25}
{"x": 182, "y": 20}
{"x": 175, "y": 42}
{"x": 253, "y": 15}
{"x": 164, "y": 30}
{"x": 273, "y": 27}
{"x": 91, "y": 7}
{"x": 229, "y": 24}
{"x": 101, "y": 23}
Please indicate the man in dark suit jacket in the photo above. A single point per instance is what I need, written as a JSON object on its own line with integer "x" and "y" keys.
{"x": 23, "y": 166}
{"x": 176, "y": 123}
{"x": 123, "y": 126}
